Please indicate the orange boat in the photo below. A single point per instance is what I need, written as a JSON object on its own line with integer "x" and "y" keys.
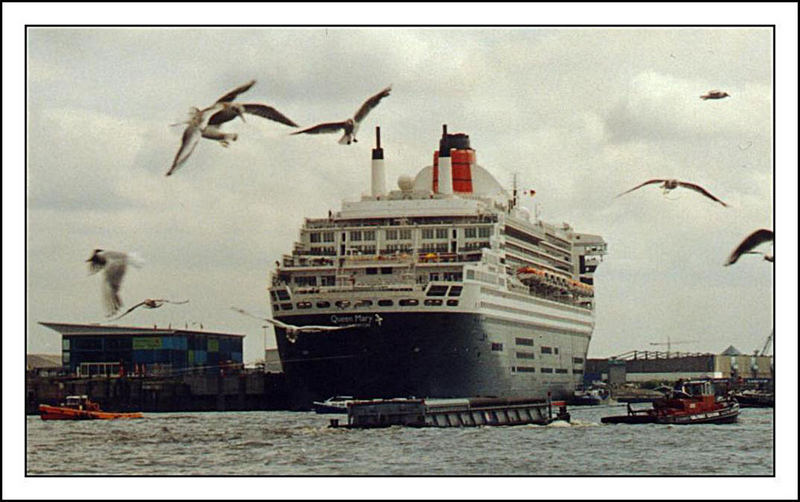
{"x": 80, "y": 408}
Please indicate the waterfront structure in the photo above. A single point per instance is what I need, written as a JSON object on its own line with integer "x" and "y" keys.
{"x": 449, "y": 288}
{"x": 89, "y": 349}
{"x": 644, "y": 366}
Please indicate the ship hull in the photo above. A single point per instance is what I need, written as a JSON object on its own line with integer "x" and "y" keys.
{"x": 425, "y": 355}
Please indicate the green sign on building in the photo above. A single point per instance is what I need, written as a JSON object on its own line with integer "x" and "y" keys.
{"x": 147, "y": 343}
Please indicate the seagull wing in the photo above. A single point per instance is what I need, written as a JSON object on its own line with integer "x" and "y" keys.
{"x": 172, "y": 302}
{"x": 129, "y": 310}
{"x": 268, "y": 112}
{"x": 370, "y": 104}
{"x": 698, "y": 188}
{"x": 323, "y": 128}
{"x": 225, "y": 115}
{"x": 232, "y": 94}
{"x": 115, "y": 271}
{"x": 188, "y": 143}
{"x": 758, "y": 237}
{"x": 648, "y": 182}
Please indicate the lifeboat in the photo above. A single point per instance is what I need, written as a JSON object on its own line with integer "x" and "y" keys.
{"x": 80, "y": 408}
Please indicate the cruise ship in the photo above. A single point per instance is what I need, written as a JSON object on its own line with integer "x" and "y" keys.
{"x": 445, "y": 287}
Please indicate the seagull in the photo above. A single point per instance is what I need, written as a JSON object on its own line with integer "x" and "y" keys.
{"x": 668, "y": 185}
{"x": 206, "y": 122}
{"x": 293, "y": 330}
{"x": 715, "y": 94}
{"x": 114, "y": 263}
{"x": 149, "y": 303}
{"x": 758, "y": 237}
{"x": 349, "y": 126}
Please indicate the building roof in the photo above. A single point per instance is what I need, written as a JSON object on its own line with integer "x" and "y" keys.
{"x": 35, "y": 361}
{"x": 113, "y": 329}
{"x": 731, "y": 351}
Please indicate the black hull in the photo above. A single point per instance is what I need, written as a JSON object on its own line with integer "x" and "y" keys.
{"x": 424, "y": 355}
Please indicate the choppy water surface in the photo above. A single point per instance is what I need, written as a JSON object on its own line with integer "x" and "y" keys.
{"x": 302, "y": 444}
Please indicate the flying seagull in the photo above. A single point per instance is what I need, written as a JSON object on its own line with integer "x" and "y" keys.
{"x": 349, "y": 126}
{"x": 114, "y": 263}
{"x": 668, "y": 185}
{"x": 150, "y": 303}
{"x": 758, "y": 237}
{"x": 292, "y": 329}
{"x": 715, "y": 94}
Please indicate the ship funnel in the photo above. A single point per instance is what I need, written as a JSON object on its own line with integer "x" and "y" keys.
{"x": 378, "y": 169}
{"x": 452, "y": 164}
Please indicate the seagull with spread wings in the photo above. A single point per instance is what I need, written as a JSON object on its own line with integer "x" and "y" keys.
{"x": 150, "y": 303}
{"x": 668, "y": 185}
{"x": 206, "y": 122}
{"x": 114, "y": 264}
{"x": 349, "y": 126}
{"x": 715, "y": 94}
{"x": 753, "y": 240}
{"x": 292, "y": 330}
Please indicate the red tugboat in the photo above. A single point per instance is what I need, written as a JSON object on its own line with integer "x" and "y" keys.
{"x": 692, "y": 402}
{"x": 80, "y": 408}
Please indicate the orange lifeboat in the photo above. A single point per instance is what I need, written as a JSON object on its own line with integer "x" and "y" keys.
{"x": 80, "y": 408}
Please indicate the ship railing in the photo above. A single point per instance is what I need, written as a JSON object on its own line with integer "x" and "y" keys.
{"x": 356, "y": 288}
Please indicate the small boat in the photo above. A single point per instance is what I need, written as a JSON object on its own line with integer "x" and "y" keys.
{"x": 336, "y": 404}
{"x": 754, "y": 399}
{"x": 80, "y": 408}
{"x": 692, "y": 402}
{"x": 595, "y": 395}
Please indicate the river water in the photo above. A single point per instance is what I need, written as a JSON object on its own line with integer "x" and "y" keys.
{"x": 302, "y": 444}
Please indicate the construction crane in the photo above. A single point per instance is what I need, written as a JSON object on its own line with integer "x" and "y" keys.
{"x": 766, "y": 344}
{"x": 669, "y": 343}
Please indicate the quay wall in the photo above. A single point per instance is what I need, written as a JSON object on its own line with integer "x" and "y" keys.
{"x": 244, "y": 391}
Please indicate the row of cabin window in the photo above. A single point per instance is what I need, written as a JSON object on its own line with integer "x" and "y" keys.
{"x": 406, "y": 302}
{"x": 531, "y": 369}
{"x": 402, "y": 234}
{"x": 545, "y": 350}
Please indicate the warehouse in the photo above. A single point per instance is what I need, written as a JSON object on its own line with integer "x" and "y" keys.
{"x": 91, "y": 349}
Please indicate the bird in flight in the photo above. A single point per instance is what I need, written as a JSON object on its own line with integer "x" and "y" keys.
{"x": 114, "y": 264}
{"x": 753, "y": 240}
{"x": 715, "y": 94}
{"x": 206, "y": 122}
{"x": 149, "y": 303}
{"x": 292, "y": 330}
{"x": 668, "y": 185}
{"x": 349, "y": 126}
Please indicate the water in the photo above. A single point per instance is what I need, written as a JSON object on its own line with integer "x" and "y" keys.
{"x": 302, "y": 444}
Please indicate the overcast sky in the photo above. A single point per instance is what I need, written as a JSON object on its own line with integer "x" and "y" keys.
{"x": 580, "y": 114}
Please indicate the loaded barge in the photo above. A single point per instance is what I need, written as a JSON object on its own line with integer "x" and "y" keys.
{"x": 465, "y": 412}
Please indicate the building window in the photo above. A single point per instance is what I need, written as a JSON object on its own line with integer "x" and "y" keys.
{"x": 547, "y": 350}
{"x": 327, "y": 236}
{"x": 497, "y": 346}
{"x": 577, "y": 360}
{"x": 524, "y": 341}
{"x": 560, "y": 370}
{"x": 427, "y": 233}
{"x": 313, "y": 236}
{"x": 547, "y": 370}
{"x": 526, "y": 369}
{"x": 369, "y": 235}
{"x": 405, "y": 234}
{"x": 484, "y": 232}
{"x": 470, "y": 232}
{"x": 577, "y": 372}
{"x": 441, "y": 233}
{"x": 524, "y": 355}
{"x": 391, "y": 235}
{"x": 355, "y": 235}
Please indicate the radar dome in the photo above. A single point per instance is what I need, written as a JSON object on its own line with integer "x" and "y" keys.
{"x": 406, "y": 183}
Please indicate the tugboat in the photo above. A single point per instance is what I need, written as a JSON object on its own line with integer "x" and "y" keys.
{"x": 594, "y": 395}
{"x": 692, "y": 402}
{"x": 80, "y": 408}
